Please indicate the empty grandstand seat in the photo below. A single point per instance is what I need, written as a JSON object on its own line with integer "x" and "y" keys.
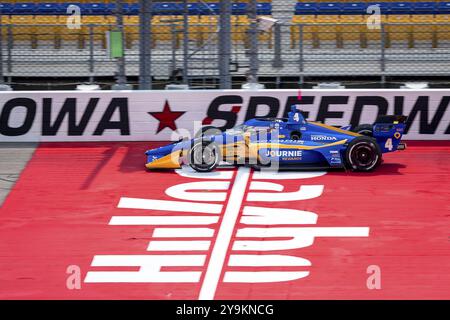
{"x": 399, "y": 27}
{"x": 50, "y": 8}
{"x": 211, "y": 8}
{"x": 327, "y": 20}
{"x": 442, "y": 26}
{"x": 375, "y": 33}
{"x": 162, "y": 30}
{"x": 99, "y": 25}
{"x": 239, "y": 28}
{"x": 24, "y": 8}
{"x": 351, "y": 27}
{"x": 353, "y": 8}
{"x": 443, "y": 8}
{"x": 194, "y": 8}
{"x": 424, "y": 8}
{"x": 209, "y": 25}
{"x": 23, "y": 28}
{"x": 264, "y": 9}
{"x": 97, "y": 9}
{"x": 131, "y": 28}
{"x": 47, "y": 27}
{"x": 66, "y": 5}
{"x": 195, "y": 30}
{"x": 384, "y": 6}
{"x": 6, "y": 8}
{"x": 329, "y": 8}
{"x": 131, "y": 8}
{"x": 307, "y": 28}
{"x": 305, "y": 8}
{"x": 68, "y": 34}
{"x": 327, "y": 26}
{"x": 239, "y": 8}
{"x": 167, "y": 9}
{"x": 5, "y": 21}
{"x": 423, "y": 27}
{"x": 400, "y": 8}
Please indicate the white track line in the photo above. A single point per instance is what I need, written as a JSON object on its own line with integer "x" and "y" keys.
{"x": 224, "y": 236}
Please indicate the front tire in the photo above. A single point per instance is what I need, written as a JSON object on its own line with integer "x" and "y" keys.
{"x": 204, "y": 156}
{"x": 363, "y": 154}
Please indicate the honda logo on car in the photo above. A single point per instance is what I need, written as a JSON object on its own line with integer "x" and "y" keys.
{"x": 322, "y": 138}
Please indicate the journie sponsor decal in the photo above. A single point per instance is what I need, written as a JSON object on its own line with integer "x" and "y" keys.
{"x": 284, "y": 153}
{"x": 222, "y": 235}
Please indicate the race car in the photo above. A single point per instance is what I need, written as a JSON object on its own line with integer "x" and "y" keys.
{"x": 285, "y": 143}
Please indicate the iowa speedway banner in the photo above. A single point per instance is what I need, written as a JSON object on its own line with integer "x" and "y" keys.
{"x": 165, "y": 115}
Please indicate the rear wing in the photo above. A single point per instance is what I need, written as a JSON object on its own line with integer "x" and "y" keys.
{"x": 389, "y": 130}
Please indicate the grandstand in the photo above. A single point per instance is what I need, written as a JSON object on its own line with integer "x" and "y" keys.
{"x": 311, "y": 39}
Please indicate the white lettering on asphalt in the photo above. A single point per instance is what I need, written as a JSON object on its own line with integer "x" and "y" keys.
{"x": 161, "y": 220}
{"x": 183, "y": 233}
{"x": 150, "y": 268}
{"x": 197, "y": 232}
{"x": 304, "y": 193}
{"x": 297, "y": 237}
{"x": 149, "y": 204}
{"x": 276, "y": 216}
{"x": 180, "y": 191}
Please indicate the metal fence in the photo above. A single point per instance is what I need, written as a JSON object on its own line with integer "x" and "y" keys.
{"x": 195, "y": 54}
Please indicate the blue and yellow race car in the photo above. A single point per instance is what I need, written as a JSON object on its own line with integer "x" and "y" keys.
{"x": 285, "y": 143}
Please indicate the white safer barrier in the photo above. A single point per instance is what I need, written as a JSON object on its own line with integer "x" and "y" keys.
{"x": 157, "y": 115}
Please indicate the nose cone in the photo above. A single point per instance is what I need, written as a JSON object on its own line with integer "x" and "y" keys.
{"x": 163, "y": 158}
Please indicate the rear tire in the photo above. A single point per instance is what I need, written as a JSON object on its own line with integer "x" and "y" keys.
{"x": 204, "y": 156}
{"x": 363, "y": 154}
{"x": 364, "y": 129}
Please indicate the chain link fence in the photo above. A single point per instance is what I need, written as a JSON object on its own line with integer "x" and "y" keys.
{"x": 34, "y": 46}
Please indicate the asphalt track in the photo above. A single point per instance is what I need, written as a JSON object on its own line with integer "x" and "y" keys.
{"x": 132, "y": 234}
{"x": 13, "y": 158}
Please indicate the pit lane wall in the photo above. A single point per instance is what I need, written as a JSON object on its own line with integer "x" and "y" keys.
{"x": 167, "y": 115}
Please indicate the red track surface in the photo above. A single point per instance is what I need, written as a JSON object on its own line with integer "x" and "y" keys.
{"x": 58, "y": 215}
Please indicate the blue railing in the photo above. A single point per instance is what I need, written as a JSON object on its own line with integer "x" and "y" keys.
{"x": 29, "y": 8}
{"x": 360, "y": 8}
{"x": 301, "y": 8}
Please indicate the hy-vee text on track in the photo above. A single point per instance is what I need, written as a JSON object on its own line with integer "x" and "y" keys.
{"x": 285, "y": 143}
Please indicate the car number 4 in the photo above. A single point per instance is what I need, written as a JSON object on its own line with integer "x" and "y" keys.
{"x": 389, "y": 145}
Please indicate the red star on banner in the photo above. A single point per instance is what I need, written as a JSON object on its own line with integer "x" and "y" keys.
{"x": 167, "y": 117}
